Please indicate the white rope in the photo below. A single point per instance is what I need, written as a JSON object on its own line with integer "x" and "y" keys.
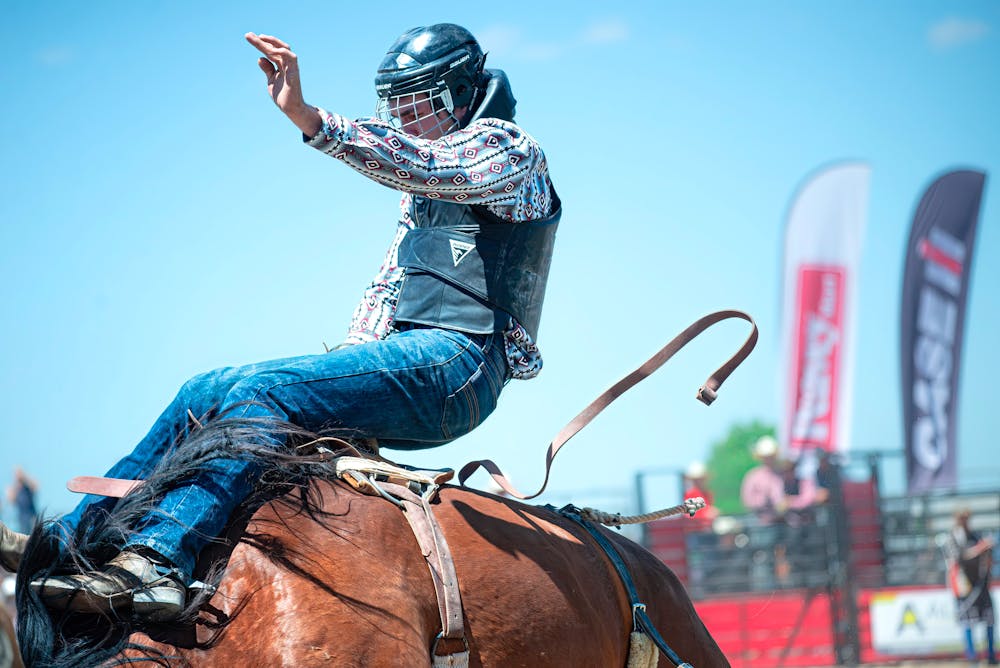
{"x": 690, "y": 506}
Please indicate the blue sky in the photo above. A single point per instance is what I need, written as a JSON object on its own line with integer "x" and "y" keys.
{"x": 159, "y": 217}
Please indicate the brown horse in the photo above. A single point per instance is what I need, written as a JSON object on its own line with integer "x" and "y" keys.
{"x": 353, "y": 589}
{"x": 318, "y": 574}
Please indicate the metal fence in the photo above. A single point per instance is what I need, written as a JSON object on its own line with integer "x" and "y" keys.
{"x": 872, "y": 541}
{"x": 857, "y": 541}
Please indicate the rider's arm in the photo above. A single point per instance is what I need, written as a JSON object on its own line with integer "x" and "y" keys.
{"x": 489, "y": 162}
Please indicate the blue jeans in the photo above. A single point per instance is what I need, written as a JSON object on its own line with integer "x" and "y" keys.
{"x": 418, "y": 388}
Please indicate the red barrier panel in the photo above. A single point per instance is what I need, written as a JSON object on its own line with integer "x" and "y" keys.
{"x": 789, "y": 628}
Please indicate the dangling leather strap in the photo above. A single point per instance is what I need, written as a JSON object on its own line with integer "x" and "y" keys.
{"x": 706, "y": 394}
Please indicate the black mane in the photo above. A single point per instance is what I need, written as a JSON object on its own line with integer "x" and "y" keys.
{"x": 289, "y": 459}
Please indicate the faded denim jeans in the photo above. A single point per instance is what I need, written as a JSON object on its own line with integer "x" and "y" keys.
{"x": 416, "y": 389}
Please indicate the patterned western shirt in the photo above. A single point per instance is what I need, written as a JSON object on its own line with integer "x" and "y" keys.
{"x": 492, "y": 163}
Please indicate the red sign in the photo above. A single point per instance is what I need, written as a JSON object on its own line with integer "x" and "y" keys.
{"x": 817, "y": 338}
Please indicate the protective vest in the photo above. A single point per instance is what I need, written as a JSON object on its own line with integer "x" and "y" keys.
{"x": 467, "y": 270}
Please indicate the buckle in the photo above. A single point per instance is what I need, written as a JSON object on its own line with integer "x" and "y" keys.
{"x": 706, "y": 395}
{"x": 440, "y": 637}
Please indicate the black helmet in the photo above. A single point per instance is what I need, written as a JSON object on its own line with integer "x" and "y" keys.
{"x": 443, "y": 60}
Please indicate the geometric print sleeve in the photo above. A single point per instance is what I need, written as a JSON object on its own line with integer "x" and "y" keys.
{"x": 491, "y": 162}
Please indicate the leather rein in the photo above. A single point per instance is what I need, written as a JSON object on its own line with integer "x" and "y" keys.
{"x": 706, "y": 394}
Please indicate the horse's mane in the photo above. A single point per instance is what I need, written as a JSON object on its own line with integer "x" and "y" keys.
{"x": 67, "y": 639}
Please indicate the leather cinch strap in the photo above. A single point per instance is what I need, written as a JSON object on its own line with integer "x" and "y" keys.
{"x": 706, "y": 394}
{"x": 436, "y": 552}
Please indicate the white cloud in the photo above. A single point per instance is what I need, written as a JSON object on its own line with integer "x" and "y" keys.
{"x": 953, "y": 32}
{"x": 499, "y": 40}
{"x": 605, "y": 32}
{"x": 506, "y": 42}
{"x": 55, "y": 56}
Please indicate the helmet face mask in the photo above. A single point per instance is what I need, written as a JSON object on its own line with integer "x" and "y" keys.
{"x": 441, "y": 65}
{"x": 429, "y": 113}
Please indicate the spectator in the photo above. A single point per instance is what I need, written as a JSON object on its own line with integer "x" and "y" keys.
{"x": 695, "y": 485}
{"x": 799, "y": 494}
{"x": 21, "y": 494}
{"x": 780, "y": 500}
{"x": 762, "y": 492}
{"x": 763, "y": 488}
{"x": 806, "y": 563}
{"x": 970, "y": 558}
{"x": 827, "y": 476}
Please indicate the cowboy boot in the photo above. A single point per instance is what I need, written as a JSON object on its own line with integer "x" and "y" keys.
{"x": 12, "y": 546}
{"x": 143, "y": 584}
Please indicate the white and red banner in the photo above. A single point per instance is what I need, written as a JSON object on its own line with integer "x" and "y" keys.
{"x": 822, "y": 254}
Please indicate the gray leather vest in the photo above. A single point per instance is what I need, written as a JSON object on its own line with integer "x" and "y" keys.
{"x": 467, "y": 270}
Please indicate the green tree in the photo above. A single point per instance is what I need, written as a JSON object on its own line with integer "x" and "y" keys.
{"x": 730, "y": 459}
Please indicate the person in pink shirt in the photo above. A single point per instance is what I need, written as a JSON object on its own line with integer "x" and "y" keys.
{"x": 778, "y": 498}
{"x": 762, "y": 491}
{"x": 772, "y": 490}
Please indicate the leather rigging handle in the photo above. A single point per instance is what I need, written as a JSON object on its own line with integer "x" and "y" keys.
{"x": 706, "y": 394}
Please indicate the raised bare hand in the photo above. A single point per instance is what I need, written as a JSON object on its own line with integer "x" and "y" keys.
{"x": 281, "y": 67}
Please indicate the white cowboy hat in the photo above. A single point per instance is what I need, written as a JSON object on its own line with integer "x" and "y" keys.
{"x": 695, "y": 471}
{"x": 765, "y": 446}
